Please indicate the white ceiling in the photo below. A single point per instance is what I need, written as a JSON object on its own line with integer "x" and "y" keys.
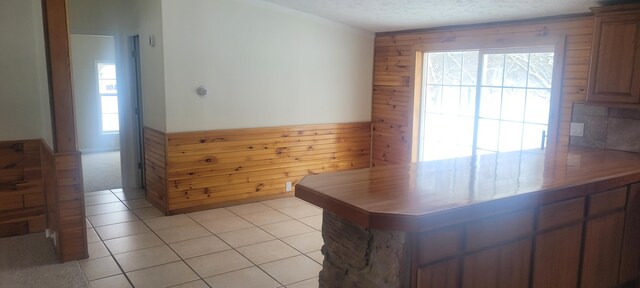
{"x": 393, "y": 15}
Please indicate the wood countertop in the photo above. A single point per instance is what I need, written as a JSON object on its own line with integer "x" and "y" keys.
{"x": 427, "y": 195}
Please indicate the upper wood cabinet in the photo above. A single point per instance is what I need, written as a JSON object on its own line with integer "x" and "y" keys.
{"x": 614, "y": 75}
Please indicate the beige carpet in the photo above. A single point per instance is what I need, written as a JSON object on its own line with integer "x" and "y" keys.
{"x": 30, "y": 261}
{"x": 101, "y": 171}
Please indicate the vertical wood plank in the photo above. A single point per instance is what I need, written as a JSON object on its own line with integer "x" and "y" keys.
{"x": 155, "y": 159}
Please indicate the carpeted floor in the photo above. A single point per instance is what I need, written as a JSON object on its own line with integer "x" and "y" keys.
{"x": 101, "y": 171}
{"x": 30, "y": 261}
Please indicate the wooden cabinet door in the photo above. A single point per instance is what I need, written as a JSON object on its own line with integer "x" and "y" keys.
{"x": 614, "y": 76}
{"x": 630, "y": 263}
{"x": 557, "y": 258}
{"x": 439, "y": 275}
{"x": 505, "y": 266}
{"x": 602, "y": 247}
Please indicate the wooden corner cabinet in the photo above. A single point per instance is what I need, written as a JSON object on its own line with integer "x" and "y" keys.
{"x": 614, "y": 74}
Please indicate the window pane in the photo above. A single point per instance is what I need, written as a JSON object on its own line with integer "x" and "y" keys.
{"x": 451, "y": 100}
{"x": 110, "y": 123}
{"x": 488, "y": 134}
{"x": 452, "y": 68}
{"x": 432, "y": 129}
{"x": 513, "y": 104}
{"x": 435, "y": 69}
{"x": 490, "y": 101}
{"x": 538, "y": 103}
{"x": 440, "y": 143}
{"x": 510, "y": 136}
{"x": 464, "y": 132}
{"x": 109, "y": 104}
{"x": 515, "y": 73}
{"x": 468, "y": 101}
{"x": 532, "y": 136}
{"x": 541, "y": 70}
{"x": 492, "y": 73}
{"x": 470, "y": 68}
{"x": 433, "y": 101}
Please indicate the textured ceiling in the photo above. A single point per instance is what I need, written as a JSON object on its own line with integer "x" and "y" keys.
{"x": 393, "y": 15}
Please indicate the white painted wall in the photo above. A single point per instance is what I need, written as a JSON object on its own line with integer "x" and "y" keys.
{"x": 24, "y": 94}
{"x": 86, "y": 51}
{"x": 264, "y": 65}
{"x": 153, "y": 65}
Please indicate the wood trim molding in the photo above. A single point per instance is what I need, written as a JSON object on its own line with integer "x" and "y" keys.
{"x": 59, "y": 66}
{"x": 63, "y": 165}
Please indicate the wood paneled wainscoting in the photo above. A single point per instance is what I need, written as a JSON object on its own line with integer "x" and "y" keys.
{"x": 155, "y": 167}
{"x": 395, "y": 103}
{"x": 217, "y": 168}
{"x": 41, "y": 189}
{"x": 65, "y": 203}
{"x": 22, "y": 199}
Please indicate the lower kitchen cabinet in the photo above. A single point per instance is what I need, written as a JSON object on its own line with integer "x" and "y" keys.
{"x": 591, "y": 241}
{"x": 557, "y": 258}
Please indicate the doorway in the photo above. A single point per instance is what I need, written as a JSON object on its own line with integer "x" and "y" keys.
{"x": 107, "y": 104}
{"x": 96, "y": 98}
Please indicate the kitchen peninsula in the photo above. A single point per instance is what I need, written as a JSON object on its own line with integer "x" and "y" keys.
{"x": 565, "y": 217}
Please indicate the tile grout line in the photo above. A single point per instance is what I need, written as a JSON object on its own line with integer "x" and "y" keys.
{"x": 280, "y": 239}
{"x": 172, "y": 250}
{"x": 256, "y": 226}
{"x": 107, "y": 247}
{"x": 183, "y": 260}
{"x": 233, "y": 248}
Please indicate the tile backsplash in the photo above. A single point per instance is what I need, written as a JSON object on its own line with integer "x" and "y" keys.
{"x": 607, "y": 127}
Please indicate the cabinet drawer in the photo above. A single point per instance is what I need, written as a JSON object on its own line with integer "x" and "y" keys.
{"x": 499, "y": 229}
{"x": 607, "y": 201}
{"x": 558, "y": 214}
{"x": 440, "y": 244}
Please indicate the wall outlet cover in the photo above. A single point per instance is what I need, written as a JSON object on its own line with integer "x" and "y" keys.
{"x": 288, "y": 186}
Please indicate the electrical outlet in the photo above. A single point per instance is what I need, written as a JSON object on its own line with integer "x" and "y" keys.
{"x": 577, "y": 129}
{"x": 287, "y": 186}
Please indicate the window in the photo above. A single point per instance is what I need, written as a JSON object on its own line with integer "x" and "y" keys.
{"x": 484, "y": 101}
{"x": 108, "y": 90}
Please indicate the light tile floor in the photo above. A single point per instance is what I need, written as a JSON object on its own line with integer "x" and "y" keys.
{"x": 273, "y": 243}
